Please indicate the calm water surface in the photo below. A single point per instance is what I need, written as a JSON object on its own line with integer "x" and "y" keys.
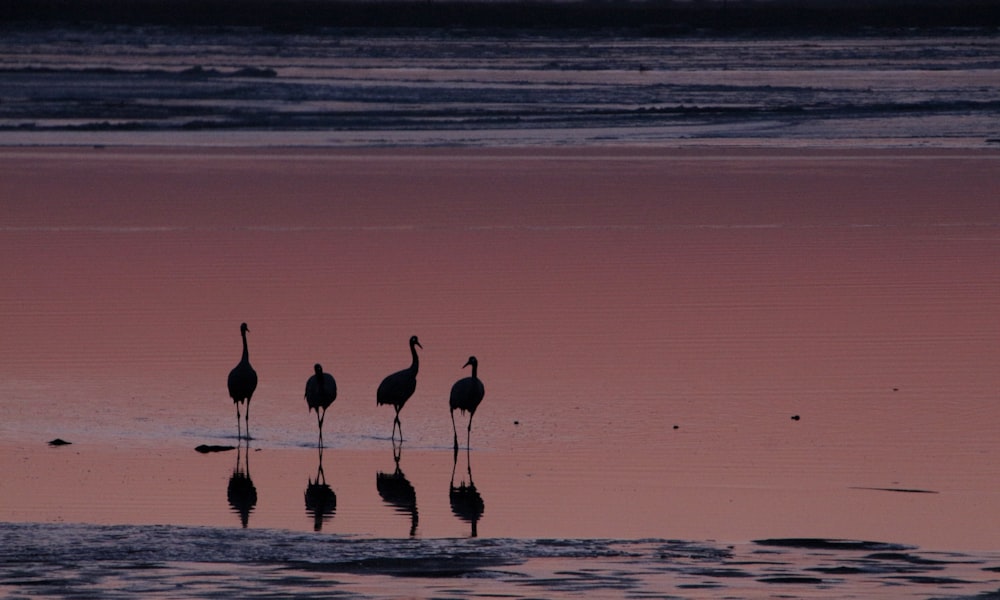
{"x": 718, "y": 348}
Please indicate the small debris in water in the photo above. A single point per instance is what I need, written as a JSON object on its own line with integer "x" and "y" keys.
{"x": 59, "y": 442}
{"x": 677, "y": 426}
{"x": 896, "y": 489}
{"x": 205, "y": 448}
{"x": 796, "y": 417}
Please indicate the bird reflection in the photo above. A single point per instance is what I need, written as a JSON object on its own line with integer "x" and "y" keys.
{"x": 466, "y": 502}
{"x": 241, "y": 492}
{"x": 321, "y": 502}
{"x": 397, "y": 491}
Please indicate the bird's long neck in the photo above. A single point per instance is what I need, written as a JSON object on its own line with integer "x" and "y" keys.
{"x": 246, "y": 352}
{"x": 475, "y": 367}
{"x": 415, "y": 365}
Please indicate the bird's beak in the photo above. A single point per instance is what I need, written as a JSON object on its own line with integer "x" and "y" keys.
{"x": 467, "y": 363}
{"x": 419, "y": 346}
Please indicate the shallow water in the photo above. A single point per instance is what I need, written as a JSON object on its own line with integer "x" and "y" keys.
{"x": 646, "y": 329}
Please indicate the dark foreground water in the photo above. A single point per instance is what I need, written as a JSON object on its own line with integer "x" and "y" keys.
{"x": 83, "y": 561}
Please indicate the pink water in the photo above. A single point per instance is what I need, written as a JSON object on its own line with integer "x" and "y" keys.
{"x": 647, "y": 324}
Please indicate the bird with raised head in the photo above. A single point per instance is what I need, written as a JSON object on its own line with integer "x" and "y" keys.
{"x": 466, "y": 395}
{"x": 397, "y": 388}
{"x": 321, "y": 391}
{"x": 242, "y": 383}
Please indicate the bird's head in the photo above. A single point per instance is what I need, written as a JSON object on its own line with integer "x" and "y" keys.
{"x": 472, "y": 361}
{"x": 415, "y": 342}
{"x": 318, "y": 368}
{"x": 244, "y": 328}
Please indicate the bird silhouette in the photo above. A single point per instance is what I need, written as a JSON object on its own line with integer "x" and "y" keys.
{"x": 321, "y": 391}
{"x": 466, "y": 501}
{"x": 321, "y": 501}
{"x": 397, "y": 491}
{"x": 242, "y": 383}
{"x": 397, "y": 388}
{"x": 466, "y": 395}
{"x": 241, "y": 492}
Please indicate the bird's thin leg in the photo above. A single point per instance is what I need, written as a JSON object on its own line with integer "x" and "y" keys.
{"x": 239, "y": 426}
{"x": 320, "y": 433}
{"x": 246, "y": 418}
{"x": 400, "y": 425}
{"x": 454, "y": 429}
{"x": 468, "y": 434}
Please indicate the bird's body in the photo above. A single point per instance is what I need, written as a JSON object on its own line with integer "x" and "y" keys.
{"x": 466, "y": 395}
{"x": 397, "y": 388}
{"x": 321, "y": 391}
{"x": 242, "y": 382}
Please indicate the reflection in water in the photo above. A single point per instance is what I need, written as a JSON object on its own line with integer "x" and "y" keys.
{"x": 241, "y": 492}
{"x": 321, "y": 502}
{"x": 397, "y": 491}
{"x": 466, "y": 502}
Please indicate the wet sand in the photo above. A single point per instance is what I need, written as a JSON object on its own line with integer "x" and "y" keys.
{"x": 647, "y": 324}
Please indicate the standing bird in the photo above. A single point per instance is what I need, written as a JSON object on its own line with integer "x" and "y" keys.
{"x": 466, "y": 395}
{"x": 397, "y": 388}
{"x": 242, "y": 383}
{"x": 321, "y": 391}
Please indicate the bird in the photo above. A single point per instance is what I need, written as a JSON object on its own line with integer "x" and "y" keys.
{"x": 321, "y": 391}
{"x": 242, "y": 383}
{"x": 397, "y": 388}
{"x": 466, "y": 395}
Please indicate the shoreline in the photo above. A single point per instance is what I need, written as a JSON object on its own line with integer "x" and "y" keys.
{"x": 582, "y": 151}
{"x": 670, "y": 18}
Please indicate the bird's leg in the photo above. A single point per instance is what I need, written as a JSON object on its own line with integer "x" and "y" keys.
{"x": 319, "y": 420}
{"x": 246, "y": 418}
{"x": 239, "y": 426}
{"x": 468, "y": 434}
{"x": 399, "y": 424}
{"x": 455, "y": 430}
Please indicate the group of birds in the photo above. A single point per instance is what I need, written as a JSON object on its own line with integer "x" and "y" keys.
{"x": 395, "y": 390}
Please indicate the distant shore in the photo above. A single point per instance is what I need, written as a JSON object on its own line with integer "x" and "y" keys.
{"x": 773, "y": 17}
